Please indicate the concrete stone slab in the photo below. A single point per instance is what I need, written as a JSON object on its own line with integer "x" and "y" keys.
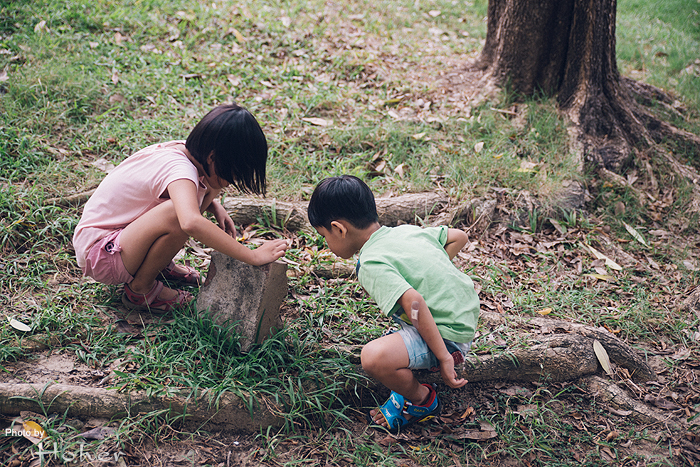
{"x": 250, "y": 296}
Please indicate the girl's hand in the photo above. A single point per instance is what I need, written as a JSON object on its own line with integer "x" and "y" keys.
{"x": 269, "y": 251}
{"x": 227, "y": 225}
{"x": 222, "y": 218}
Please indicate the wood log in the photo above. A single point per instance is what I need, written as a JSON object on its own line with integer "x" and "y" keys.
{"x": 411, "y": 208}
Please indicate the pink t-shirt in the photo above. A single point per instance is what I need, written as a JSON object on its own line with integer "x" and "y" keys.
{"x": 134, "y": 187}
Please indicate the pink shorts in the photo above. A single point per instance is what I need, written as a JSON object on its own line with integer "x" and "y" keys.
{"x": 104, "y": 261}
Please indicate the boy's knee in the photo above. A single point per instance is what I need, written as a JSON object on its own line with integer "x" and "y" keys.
{"x": 372, "y": 357}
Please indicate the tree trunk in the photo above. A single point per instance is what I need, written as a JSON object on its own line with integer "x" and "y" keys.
{"x": 566, "y": 48}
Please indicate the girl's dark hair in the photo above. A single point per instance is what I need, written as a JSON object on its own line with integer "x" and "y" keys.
{"x": 238, "y": 144}
{"x": 345, "y": 197}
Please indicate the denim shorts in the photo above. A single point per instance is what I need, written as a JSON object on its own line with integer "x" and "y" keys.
{"x": 420, "y": 357}
{"x": 104, "y": 261}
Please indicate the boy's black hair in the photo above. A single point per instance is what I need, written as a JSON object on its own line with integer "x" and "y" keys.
{"x": 345, "y": 197}
{"x": 238, "y": 144}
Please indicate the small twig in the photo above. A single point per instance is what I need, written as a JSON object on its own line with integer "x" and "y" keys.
{"x": 509, "y": 112}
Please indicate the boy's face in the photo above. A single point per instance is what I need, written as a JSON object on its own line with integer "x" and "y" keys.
{"x": 338, "y": 240}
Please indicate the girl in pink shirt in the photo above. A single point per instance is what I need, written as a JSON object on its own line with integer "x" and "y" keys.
{"x": 144, "y": 210}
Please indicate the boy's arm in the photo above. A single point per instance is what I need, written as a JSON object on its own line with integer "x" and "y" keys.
{"x": 456, "y": 239}
{"x": 425, "y": 324}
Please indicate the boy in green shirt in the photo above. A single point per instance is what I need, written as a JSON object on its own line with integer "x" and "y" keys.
{"x": 408, "y": 271}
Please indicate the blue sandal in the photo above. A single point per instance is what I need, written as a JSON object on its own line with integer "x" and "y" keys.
{"x": 396, "y": 407}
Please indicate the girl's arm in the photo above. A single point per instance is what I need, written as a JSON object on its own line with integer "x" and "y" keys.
{"x": 211, "y": 204}
{"x": 183, "y": 193}
{"x": 222, "y": 217}
{"x": 425, "y": 324}
{"x": 456, "y": 239}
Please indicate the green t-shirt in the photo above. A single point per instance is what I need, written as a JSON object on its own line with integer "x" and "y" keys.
{"x": 395, "y": 259}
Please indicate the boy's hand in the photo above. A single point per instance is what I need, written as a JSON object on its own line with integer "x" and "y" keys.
{"x": 448, "y": 373}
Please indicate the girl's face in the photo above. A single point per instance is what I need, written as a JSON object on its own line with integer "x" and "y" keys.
{"x": 212, "y": 180}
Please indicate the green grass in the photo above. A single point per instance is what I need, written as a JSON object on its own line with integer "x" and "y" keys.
{"x": 101, "y": 79}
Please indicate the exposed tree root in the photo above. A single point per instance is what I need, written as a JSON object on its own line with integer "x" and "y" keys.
{"x": 619, "y": 352}
{"x": 560, "y": 351}
{"x": 195, "y": 409}
{"x": 609, "y": 392}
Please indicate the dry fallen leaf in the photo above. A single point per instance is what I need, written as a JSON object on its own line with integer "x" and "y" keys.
{"x": 468, "y": 412}
{"x": 100, "y": 432}
{"x": 598, "y": 255}
{"x": 239, "y": 37}
{"x": 316, "y": 121}
{"x": 559, "y": 228}
{"x": 20, "y": 326}
{"x": 33, "y": 432}
{"x": 527, "y": 166}
{"x": 601, "y": 277}
{"x": 636, "y": 235}
{"x": 400, "y": 170}
{"x": 104, "y": 165}
{"x": 602, "y": 355}
{"x": 41, "y": 26}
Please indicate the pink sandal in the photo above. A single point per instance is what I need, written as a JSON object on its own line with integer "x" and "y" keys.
{"x": 191, "y": 277}
{"x": 151, "y": 302}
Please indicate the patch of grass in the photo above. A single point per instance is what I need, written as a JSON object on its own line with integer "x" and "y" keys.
{"x": 193, "y": 352}
{"x": 656, "y": 41}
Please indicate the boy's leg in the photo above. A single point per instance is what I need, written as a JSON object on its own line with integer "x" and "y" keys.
{"x": 149, "y": 244}
{"x": 386, "y": 360}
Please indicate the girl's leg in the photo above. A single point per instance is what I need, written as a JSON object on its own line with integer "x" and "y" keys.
{"x": 386, "y": 360}
{"x": 149, "y": 244}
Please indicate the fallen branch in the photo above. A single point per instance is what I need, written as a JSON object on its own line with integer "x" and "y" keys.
{"x": 560, "y": 351}
{"x": 71, "y": 200}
